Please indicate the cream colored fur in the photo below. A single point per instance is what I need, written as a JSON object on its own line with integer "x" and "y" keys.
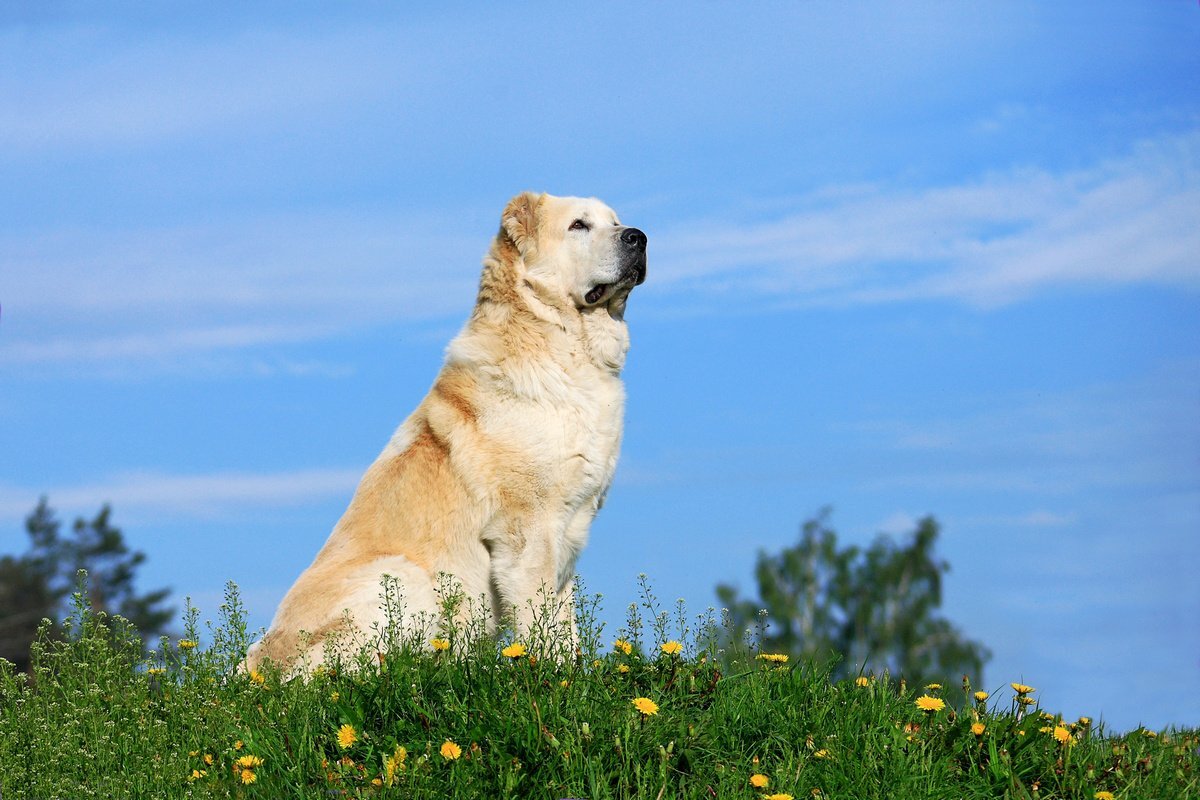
{"x": 495, "y": 478}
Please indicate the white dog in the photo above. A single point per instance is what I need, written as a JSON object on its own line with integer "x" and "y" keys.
{"x": 495, "y": 478}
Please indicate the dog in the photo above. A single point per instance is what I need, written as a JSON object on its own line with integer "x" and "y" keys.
{"x": 496, "y": 476}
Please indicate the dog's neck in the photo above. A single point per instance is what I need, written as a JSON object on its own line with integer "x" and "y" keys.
{"x": 510, "y": 299}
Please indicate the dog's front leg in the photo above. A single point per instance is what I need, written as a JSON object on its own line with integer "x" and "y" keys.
{"x": 525, "y": 573}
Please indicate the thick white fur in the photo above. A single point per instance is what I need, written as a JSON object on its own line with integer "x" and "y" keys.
{"x": 495, "y": 478}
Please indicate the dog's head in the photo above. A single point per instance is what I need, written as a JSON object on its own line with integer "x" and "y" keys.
{"x": 575, "y": 248}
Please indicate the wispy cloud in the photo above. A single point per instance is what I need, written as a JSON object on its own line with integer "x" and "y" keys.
{"x": 156, "y": 494}
{"x": 146, "y": 293}
{"x": 990, "y": 241}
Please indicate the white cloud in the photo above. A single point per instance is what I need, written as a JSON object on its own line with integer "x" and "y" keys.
{"x": 141, "y": 294}
{"x": 990, "y": 241}
{"x": 155, "y": 494}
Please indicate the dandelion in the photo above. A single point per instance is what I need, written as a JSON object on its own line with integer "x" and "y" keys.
{"x": 248, "y": 776}
{"x": 197, "y": 774}
{"x": 249, "y": 762}
{"x": 1025, "y": 701}
{"x": 862, "y": 680}
{"x": 393, "y": 764}
{"x": 930, "y": 704}
{"x": 1103, "y": 795}
{"x": 759, "y": 781}
{"x": 257, "y": 677}
{"x": 623, "y": 668}
{"x": 346, "y": 736}
{"x": 1062, "y": 734}
{"x": 623, "y": 646}
{"x": 672, "y": 648}
{"x": 156, "y": 671}
{"x": 645, "y": 705}
{"x": 208, "y": 759}
{"x": 187, "y": 644}
{"x": 822, "y": 753}
{"x": 450, "y": 750}
{"x": 778, "y": 797}
{"x": 1149, "y": 734}
{"x": 774, "y": 658}
{"x": 1085, "y": 721}
{"x": 978, "y": 728}
{"x": 933, "y": 687}
{"x": 238, "y": 745}
{"x": 439, "y": 644}
{"x": 335, "y": 696}
{"x": 514, "y": 650}
{"x": 1021, "y": 688}
{"x": 981, "y": 697}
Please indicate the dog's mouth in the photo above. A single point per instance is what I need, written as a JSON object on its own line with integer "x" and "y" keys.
{"x": 633, "y": 275}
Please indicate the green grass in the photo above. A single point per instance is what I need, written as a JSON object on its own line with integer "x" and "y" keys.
{"x": 97, "y": 719}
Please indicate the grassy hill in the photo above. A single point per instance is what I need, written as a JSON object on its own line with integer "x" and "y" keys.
{"x": 655, "y": 711}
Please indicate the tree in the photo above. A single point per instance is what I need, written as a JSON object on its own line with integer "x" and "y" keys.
{"x": 36, "y": 585}
{"x": 863, "y": 611}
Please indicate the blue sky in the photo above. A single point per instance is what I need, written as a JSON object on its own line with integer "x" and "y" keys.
{"x": 904, "y": 259}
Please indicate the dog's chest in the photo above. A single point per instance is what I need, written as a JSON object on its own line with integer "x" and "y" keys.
{"x": 583, "y": 436}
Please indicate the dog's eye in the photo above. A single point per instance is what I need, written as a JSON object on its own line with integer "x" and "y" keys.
{"x": 580, "y": 225}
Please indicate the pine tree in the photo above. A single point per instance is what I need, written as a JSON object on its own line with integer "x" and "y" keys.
{"x": 36, "y": 585}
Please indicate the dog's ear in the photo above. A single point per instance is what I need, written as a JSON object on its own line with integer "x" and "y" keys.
{"x": 520, "y": 220}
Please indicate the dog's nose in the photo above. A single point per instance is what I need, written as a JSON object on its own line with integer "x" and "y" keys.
{"x": 632, "y": 237}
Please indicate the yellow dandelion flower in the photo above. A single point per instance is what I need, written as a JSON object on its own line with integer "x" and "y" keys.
{"x": 1025, "y": 701}
{"x": 248, "y": 776}
{"x": 197, "y": 774}
{"x": 346, "y": 736}
{"x": 933, "y": 687}
{"x": 1103, "y": 795}
{"x": 156, "y": 671}
{"x": 623, "y": 646}
{"x": 775, "y": 658}
{"x": 623, "y": 668}
{"x": 1085, "y": 721}
{"x": 672, "y": 648}
{"x": 238, "y": 745}
{"x": 1149, "y": 734}
{"x": 249, "y": 762}
{"x": 1021, "y": 688}
{"x": 1062, "y": 734}
{"x": 335, "y": 696}
{"x": 930, "y": 704}
{"x": 645, "y": 705}
{"x": 193, "y": 753}
{"x": 450, "y": 750}
{"x": 187, "y": 644}
{"x": 377, "y": 781}
{"x": 393, "y": 764}
{"x": 439, "y": 644}
{"x": 822, "y": 753}
{"x": 778, "y": 797}
{"x": 257, "y": 677}
{"x": 514, "y": 650}
{"x": 981, "y": 696}
{"x": 862, "y": 680}
{"x": 978, "y": 728}
{"x": 759, "y": 781}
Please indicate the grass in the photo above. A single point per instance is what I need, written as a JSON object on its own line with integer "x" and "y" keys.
{"x": 656, "y": 711}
